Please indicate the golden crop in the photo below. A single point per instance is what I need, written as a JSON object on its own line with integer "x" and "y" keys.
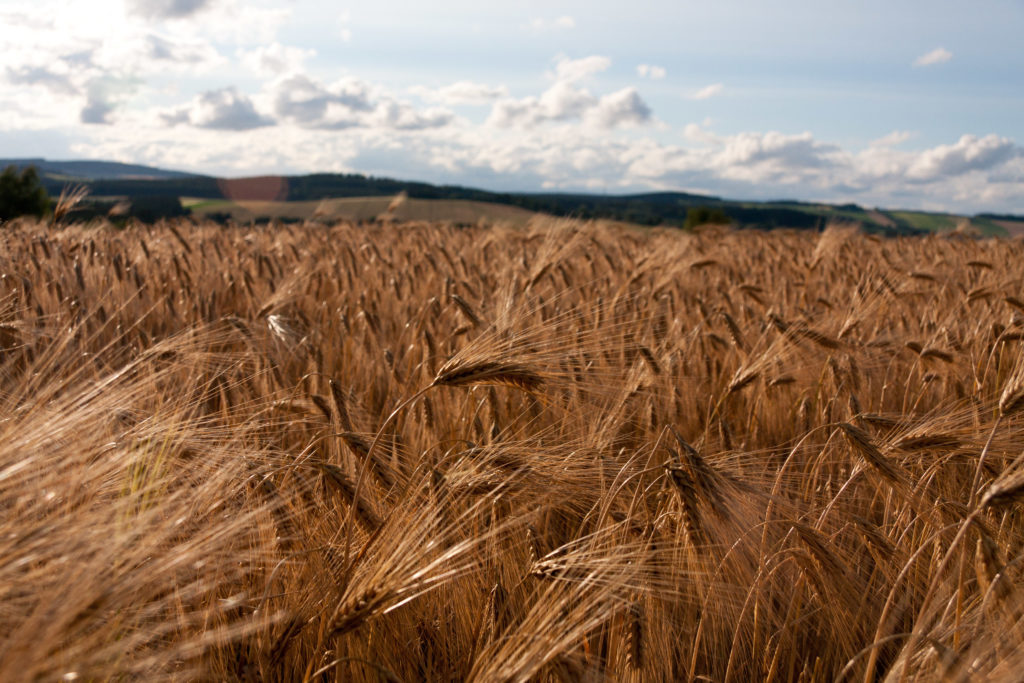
{"x": 573, "y": 451}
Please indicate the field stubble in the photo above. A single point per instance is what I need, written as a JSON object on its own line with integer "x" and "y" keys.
{"x": 568, "y": 452}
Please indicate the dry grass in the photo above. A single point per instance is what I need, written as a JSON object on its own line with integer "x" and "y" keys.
{"x": 569, "y": 452}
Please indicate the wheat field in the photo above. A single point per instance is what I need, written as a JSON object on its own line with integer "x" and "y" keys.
{"x": 567, "y": 452}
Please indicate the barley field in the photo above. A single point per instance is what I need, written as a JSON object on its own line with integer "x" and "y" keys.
{"x": 564, "y": 452}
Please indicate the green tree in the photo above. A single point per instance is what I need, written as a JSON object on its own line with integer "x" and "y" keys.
{"x": 151, "y": 208}
{"x": 702, "y": 215}
{"x": 22, "y": 194}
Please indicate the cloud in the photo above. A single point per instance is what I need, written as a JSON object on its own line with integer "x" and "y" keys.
{"x": 96, "y": 110}
{"x": 167, "y": 9}
{"x": 561, "y": 102}
{"x": 623, "y": 107}
{"x": 972, "y": 174}
{"x": 224, "y": 109}
{"x": 969, "y": 153}
{"x": 181, "y": 52}
{"x": 936, "y": 56}
{"x": 894, "y": 138}
{"x": 75, "y": 50}
{"x": 564, "y": 132}
{"x": 696, "y": 133}
{"x": 401, "y": 116}
{"x": 709, "y": 91}
{"x": 751, "y": 164}
{"x": 348, "y": 103}
{"x": 572, "y": 70}
{"x": 747, "y": 164}
{"x": 275, "y": 59}
{"x": 79, "y": 59}
{"x": 54, "y": 81}
{"x": 756, "y": 160}
{"x": 103, "y": 95}
{"x": 562, "y": 23}
{"x": 966, "y": 170}
{"x": 309, "y": 103}
{"x": 565, "y": 100}
{"x": 239, "y": 22}
{"x": 462, "y": 92}
{"x": 776, "y": 151}
{"x": 177, "y": 117}
{"x": 510, "y": 112}
{"x": 650, "y": 71}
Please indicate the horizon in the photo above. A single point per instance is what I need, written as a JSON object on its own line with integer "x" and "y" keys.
{"x": 915, "y": 107}
{"x": 769, "y": 200}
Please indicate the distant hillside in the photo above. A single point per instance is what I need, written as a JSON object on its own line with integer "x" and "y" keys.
{"x": 644, "y": 209}
{"x": 154, "y": 186}
{"x": 94, "y": 170}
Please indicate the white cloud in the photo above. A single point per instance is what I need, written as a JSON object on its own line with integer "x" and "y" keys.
{"x": 894, "y": 138}
{"x": 54, "y": 79}
{"x": 623, "y": 107}
{"x": 651, "y": 71}
{"x": 167, "y": 9}
{"x": 60, "y": 68}
{"x": 104, "y": 95}
{"x": 749, "y": 158}
{"x": 764, "y": 156}
{"x": 348, "y": 104}
{"x": 224, "y": 109}
{"x": 572, "y": 70}
{"x": 969, "y": 153}
{"x": 526, "y": 112}
{"x": 88, "y": 74}
{"x": 970, "y": 162}
{"x": 401, "y": 116}
{"x": 765, "y": 164}
{"x": 275, "y": 59}
{"x": 96, "y": 110}
{"x": 563, "y": 23}
{"x": 181, "y": 53}
{"x": 462, "y": 92}
{"x": 696, "y": 133}
{"x": 565, "y": 100}
{"x": 561, "y": 102}
{"x": 936, "y": 56}
{"x": 979, "y": 173}
{"x": 239, "y": 22}
{"x": 309, "y": 103}
{"x": 709, "y": 91}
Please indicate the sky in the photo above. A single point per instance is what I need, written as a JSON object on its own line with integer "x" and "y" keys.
{"x": 911, "y": 104}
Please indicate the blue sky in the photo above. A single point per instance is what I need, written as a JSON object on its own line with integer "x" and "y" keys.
{"x": 895, "y": 104}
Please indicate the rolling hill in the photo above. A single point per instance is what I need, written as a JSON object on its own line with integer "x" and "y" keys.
{"x": 360, "y": 197}
{"x": 89, "y": 170}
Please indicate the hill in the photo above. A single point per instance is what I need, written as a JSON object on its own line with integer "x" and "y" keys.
{"x": 298, "y": 196}
{"x": 89, "y": 170}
